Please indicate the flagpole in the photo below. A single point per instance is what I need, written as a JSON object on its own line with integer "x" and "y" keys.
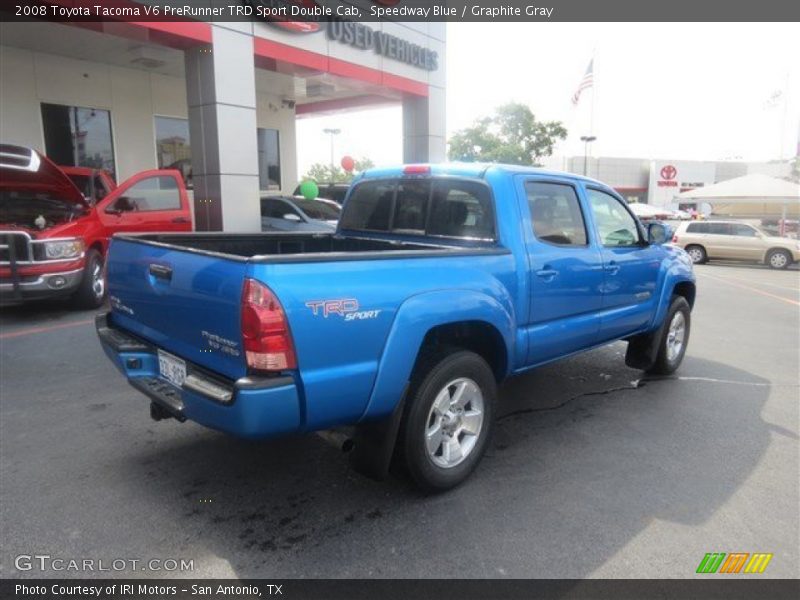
{"x": 592, "y": 135}
{"x": 785, "y": 113}
{"x": 594, "y": 93}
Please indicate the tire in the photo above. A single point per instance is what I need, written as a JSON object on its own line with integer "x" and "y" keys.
{"x": 91, "y": 292}
{"x": 779, "y": 259}
{"x": 677, "y": 325}
{"x": 451, "y": 403}
{"x": 697, "y": 254}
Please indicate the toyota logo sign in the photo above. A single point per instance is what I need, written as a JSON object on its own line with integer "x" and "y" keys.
{"x": 668, "y": 172}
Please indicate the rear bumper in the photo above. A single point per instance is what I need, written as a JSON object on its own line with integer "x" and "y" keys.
{"x": 39, "y": 286}
{"x": 248, "y": 407}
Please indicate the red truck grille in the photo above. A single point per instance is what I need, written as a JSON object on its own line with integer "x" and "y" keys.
{"x": 16, "y": 245}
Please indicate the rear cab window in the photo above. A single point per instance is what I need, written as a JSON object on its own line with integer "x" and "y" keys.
{"x": 430, "y": 207}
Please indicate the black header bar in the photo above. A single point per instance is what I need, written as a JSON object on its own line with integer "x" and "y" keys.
{"x": 483, "y": 11}
{"x": 713, "y": 587}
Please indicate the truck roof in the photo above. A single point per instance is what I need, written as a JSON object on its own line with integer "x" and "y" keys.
{"x": 473, "y": 170}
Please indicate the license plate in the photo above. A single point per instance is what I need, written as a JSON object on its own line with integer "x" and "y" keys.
{"x": 172, "y": 368}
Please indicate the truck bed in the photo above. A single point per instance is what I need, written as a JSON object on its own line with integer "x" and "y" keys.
{"x": 183, "y": 292}
{"x": 279, "y": 247}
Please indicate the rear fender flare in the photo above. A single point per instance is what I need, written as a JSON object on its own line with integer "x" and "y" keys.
{"x": 415, "y": 318}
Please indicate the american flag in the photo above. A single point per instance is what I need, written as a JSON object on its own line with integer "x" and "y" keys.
{"x": 586, "y": 82}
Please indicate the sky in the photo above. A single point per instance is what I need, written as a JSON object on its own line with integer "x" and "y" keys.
{"x": 697, "y": 91}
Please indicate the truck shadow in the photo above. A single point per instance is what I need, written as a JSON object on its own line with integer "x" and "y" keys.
{"x": 584, "y": 458}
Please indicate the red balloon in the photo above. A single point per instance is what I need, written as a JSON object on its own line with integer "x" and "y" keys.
{"x": 348, "y": 164}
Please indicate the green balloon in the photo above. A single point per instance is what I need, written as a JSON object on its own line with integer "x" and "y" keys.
{"x": 309, "y": 189}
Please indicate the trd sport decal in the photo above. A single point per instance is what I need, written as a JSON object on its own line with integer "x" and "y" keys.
{"x": 347, "y": 308}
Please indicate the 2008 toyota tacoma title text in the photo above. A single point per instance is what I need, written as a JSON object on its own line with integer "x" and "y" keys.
{"x": 440, "y": 282}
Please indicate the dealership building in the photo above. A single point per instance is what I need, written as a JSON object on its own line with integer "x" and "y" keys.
{"x": 658, "y": 181}
{"x": 218, "y": 101}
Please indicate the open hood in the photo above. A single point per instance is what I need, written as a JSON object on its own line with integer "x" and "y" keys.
{"x": 24, "y": 169}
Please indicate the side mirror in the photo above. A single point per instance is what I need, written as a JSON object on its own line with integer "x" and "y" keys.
{"x": 658, "y": 233}
{"x": 111, "y": 210}
{"x": 292, "y": 217}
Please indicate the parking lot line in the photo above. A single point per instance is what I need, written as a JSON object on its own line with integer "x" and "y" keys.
{"x": 33, "y": 330}
{"x": 752, "y": 289}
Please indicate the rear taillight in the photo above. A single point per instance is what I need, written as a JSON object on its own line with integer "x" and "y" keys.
{"x": 265, "y": 330}
{"x": 417, "y": 170}
{"x": 674, "y": 239}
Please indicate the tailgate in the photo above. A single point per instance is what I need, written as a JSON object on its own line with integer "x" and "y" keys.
{"x": 185, "y": 302}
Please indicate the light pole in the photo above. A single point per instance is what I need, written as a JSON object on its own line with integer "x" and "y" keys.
{"x": 332, "y": 132}
{"x": 586, "y": 139}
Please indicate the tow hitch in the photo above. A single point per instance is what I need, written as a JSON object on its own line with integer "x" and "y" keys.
{"x": 159, "y": 413}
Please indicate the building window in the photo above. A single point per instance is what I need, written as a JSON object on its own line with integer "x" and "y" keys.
{"x": 269, "y": 159}
{"x": 173, "y": 148}
{"x": 78, "y": 136}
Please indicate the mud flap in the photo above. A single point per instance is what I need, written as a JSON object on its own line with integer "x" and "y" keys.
{"x": 373, "y": 444}
{"x": 643, "y": 349}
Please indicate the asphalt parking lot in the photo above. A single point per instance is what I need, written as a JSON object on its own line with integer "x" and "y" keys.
{"x": 593, "y": 471}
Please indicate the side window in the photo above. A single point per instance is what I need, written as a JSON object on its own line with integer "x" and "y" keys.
{"x": 337, "y": 194}
{"x": 743, "y": 230}
{"x": 153, "y": 193}
{"x": 276, "y": 209}
{"x": 556, "y": 213}
{"x": 697, "y": 228}
{"x": 719, "y": 228}
{"x": 268, "y": 207}
{"x": 286, "y": 211}
{"x": 412, "y": 206}
{"x": 461, "y": 209}
{"x": 615, "y": 224}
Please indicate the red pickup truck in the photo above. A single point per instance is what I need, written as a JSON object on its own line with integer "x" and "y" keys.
{"x": 54, "y": 236}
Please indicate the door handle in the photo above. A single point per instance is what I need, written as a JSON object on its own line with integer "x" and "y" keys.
{"x": 161, "y": 271}
{"x": 612, "y": 268}
{"x": 180, "y": 220}
{"x": 546, "y": 273}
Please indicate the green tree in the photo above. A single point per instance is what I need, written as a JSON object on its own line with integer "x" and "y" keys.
{"x": 322, "y": 173}
{"x": 512, "y": 135}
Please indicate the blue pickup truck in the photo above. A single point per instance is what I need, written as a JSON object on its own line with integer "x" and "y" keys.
{"x": 440, "y": 282}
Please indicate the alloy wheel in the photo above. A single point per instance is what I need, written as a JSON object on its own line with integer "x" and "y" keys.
{"x": 454, "y": 422}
